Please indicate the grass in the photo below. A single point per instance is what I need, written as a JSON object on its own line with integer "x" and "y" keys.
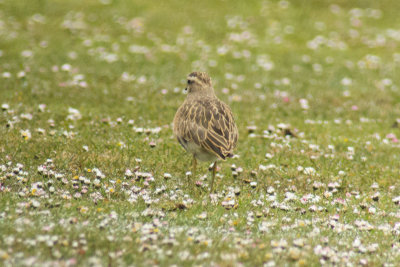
{"x": 325, "y": 195}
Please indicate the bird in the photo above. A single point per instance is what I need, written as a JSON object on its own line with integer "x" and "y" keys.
{"x": 204, "y": 125}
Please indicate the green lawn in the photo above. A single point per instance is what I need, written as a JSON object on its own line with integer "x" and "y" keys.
{"x": 91, "y": 175}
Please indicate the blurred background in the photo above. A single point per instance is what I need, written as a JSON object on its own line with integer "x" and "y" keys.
{"x": 332, "y": 53}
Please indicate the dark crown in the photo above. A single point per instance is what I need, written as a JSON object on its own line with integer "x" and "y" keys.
{"x": 202, "y": 77}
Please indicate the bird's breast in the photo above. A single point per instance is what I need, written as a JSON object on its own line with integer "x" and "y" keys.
{"x": 199, "y": 152}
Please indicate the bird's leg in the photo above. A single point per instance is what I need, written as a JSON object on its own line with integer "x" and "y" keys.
{"x": 214, "y": 168}
{"x": 194, "y": 165}
{"x": 189, "y": 178}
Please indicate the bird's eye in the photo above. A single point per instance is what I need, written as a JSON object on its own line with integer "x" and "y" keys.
{"x": 189, "y": 81}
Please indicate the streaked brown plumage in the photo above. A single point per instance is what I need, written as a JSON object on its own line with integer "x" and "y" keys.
{"x": 204, "y": 125}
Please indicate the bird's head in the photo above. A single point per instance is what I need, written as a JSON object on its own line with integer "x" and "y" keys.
{"x": 199, "y": 83}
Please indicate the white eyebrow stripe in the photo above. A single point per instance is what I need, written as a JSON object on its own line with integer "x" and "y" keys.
{"x": 194, "y": 79}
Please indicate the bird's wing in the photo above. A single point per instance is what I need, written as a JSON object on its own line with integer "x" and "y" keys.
{"x": 208, "y": 123}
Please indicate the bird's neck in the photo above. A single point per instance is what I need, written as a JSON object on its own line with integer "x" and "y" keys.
{"x": 202, "y": 94}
